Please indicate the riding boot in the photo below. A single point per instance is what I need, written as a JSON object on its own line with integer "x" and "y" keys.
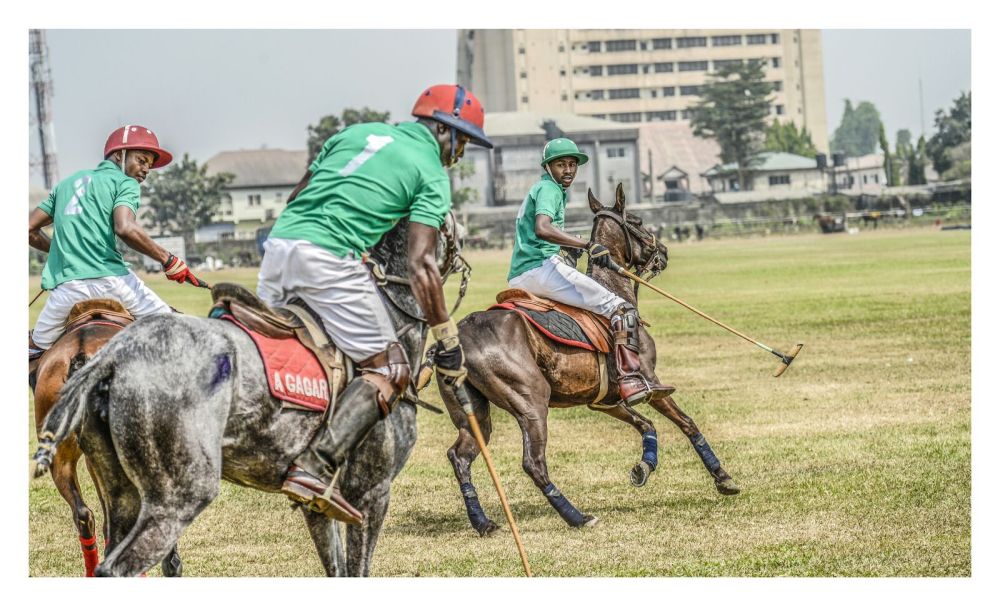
{"x": 310, "y": 479}
{"x": 633, "y": 386}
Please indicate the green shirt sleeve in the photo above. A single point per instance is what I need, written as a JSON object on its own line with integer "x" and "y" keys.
{"x": 128, "y": 195}
{"x": 49, "y": 205}
{"x": 324, "y": 152}
{"x": 548, "y": 200}
{"x": 432, "y": 203}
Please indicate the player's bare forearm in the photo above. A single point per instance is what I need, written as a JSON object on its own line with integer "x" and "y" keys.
{"x": 136, "y": 237}
{"x": 425, "y": 279}
{"x": 37, "y": 238}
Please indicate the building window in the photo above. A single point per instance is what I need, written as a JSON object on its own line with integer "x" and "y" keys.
{"x": 692, "y": 66}
{"x": 596, "y": 70}
{"x": 756, "y": 39}
{"x": 779, "y": 180}
{"x": 722, "y": 63}
{"x": 685, "y": 114}
{"x": 520, "y": 50}
{"x": 727, "y": 40}
{"x": 774, "y": 38}
{"x": 623, "y": 93}
{"x": 564, "y": 97}
{"x": 594, "y": 47}
{"x": 875, "y": 177}
{"x": 627, "y": 68}
{"x": 524, "y": 74}
{"x": 692, "y": 42}
{"x": 562, "y": 49}
{"x": 661, "y": 116}
{"x": 652, "y": 93}
{"x": 524, "y": 99}
{"x": 691, "y": 90}
{"x": 253, "y": 199}
{"x": 864, "y": 179}
{"x": 645, "y": 69}
{"x": 663, "y": 67}
{"x": 616, "y": 152}
{"x": 669, "y": 91}
{"x": 659, "y": 43}
{"x": 626, "y": 117}
{"x": 269, "y": 214}
{"x": 601, "y": 116}
{"x": 617, "y": 46}
{"x": 776, "y": 62}
{"x": 779, "y": 110}
{"x": 562, "y": 71}
{"x": 777, "y": 86}
{"x": 672, "y": 184}
{"x": 597, "y": 94}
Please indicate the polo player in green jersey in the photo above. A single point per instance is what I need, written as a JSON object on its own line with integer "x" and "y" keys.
{"x": 366, "y": 178}
{"x": 88, "y": 210}
{"x": 537, "y": 267}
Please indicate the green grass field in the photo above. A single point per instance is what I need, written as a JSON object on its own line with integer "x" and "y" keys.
{"x": 855, "y": 463}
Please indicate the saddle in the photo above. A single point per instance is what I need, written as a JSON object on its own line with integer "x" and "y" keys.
{"x": 562, "y": 323}
{"x": 281, "y": 334}
{"x": 103, "y": 311}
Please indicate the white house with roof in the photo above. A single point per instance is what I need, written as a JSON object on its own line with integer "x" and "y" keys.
{"x": 676, "y": 158}
{"x": 775, "y": 172}
{"x": 862, "y": 175}
{"x": 263, "y": 179}
{"x": 504, "y": 174}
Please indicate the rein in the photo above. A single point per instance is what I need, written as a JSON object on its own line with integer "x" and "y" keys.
{"x": 644, "y": 238}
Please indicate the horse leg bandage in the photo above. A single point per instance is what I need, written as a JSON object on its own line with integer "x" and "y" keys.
{"x": 649, "y": 446}
{"x": 561, "y": 504}
{"x": 705, "y": 452}
{"x": 90, "y": 555}
{"x": 476, "y": 514}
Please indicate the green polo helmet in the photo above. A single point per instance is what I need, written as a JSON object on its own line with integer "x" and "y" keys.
{"x": 557, "y": 148}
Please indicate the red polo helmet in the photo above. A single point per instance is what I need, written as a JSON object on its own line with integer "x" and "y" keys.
{"x": 133, "y": 136}
{"x": 455, "y": 106}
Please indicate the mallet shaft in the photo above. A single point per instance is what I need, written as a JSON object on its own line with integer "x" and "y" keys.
{"x": 463, "y": 399}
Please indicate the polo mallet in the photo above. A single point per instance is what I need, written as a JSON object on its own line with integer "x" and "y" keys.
{"x": 463, "y": 399}
{"x": 36, "y": 297}
{"x": 786, "y": 359}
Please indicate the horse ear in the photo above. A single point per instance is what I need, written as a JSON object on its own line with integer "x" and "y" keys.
{"x": 595, "y": 204}
{"x": 620, "y": 199}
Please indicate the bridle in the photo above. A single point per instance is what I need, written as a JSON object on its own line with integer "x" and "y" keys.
{"x": 453, "y": 263}
{"x": 654, "y": 261}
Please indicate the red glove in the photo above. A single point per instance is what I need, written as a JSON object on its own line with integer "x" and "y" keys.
{"x": 177, "y": 270}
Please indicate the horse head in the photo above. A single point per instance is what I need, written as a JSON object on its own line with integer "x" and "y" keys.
{"x": 632, "y": 245}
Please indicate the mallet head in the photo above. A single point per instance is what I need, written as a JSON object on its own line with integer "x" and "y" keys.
{"x": 787, "y": 359}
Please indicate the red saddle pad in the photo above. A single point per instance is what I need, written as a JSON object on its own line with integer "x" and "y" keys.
{"x": 294, "y": 374}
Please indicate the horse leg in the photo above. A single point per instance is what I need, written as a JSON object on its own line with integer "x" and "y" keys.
{"x": 647, "y": 465}
{"x": 326, "y": 538}
{"x": 534, "y": 431}
{"x": 665, "y": 405}
{"x": 65, "y": 478}
{"x": 465, "y": 450}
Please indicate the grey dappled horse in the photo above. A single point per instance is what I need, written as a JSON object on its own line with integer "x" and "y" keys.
{"x": 175, "y": 403}
{"x": 513, "y": 366}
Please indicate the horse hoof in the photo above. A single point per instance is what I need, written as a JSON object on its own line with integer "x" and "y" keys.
{"x": 487, "y": 529}
{"x": 640, "y": 474}
{"x": 589, "y": 522}
{"x": 727, "y": 486}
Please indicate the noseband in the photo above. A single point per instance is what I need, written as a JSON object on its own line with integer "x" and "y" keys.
{"x": 655, "y": 263}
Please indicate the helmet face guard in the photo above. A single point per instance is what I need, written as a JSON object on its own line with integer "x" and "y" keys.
{"x": 457, "y": 108}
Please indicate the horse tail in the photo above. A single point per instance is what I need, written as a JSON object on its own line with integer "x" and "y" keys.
{"x": 66, "y": 416}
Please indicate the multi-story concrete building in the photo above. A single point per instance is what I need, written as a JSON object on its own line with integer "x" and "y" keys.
{"x": 638, "y": 75}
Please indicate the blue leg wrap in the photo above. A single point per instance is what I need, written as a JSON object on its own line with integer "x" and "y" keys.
{"x": 649, "y": 449}
{"x": 561, "y": 504}
{"x": 705, "y": 452}
{"x": 476, "y": 514}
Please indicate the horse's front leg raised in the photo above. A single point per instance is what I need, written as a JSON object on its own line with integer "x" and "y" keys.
{"x": 665, "y": 405}
{"x": 647, "y": 465}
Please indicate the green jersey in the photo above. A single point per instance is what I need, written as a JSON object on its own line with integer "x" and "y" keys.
{"x": 83, "y": 237}
{"x": 364, "y": 180}
{"x": 545, "y": 198}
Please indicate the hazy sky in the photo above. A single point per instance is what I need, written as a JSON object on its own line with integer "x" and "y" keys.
{"x": 204, "y": 91}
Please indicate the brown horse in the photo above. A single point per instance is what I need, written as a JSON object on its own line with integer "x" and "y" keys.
{"x": 90, "y": 325}
{"x": 513, "y": 366}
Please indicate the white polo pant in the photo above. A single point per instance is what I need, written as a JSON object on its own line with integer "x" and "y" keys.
{"x": 340, "y": 289}
{"x": 128, "y": 290}
{"x": 556, "y": 280}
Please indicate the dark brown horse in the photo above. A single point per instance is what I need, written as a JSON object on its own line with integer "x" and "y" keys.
{"x": 513, "y": 366}
{"x": 91, "y": 324}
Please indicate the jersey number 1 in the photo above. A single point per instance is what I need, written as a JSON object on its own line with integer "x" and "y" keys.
{"x": 375, "y": 143}
{"x": 80, "y": 185}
